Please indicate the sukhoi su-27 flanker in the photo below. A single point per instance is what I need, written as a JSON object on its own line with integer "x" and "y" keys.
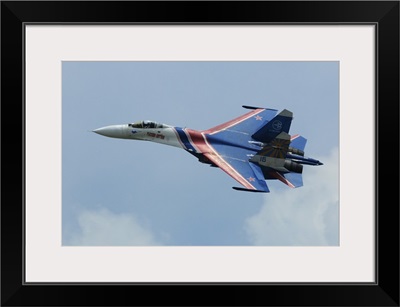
{"x": 252, "y": 148}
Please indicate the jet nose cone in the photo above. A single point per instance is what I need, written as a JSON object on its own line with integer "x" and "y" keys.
{"x": 115, "y": 131}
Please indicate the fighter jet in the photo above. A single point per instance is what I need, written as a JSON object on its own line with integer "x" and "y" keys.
{"x": 252, "y": 148}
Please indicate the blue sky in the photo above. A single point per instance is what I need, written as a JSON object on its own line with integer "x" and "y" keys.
{"x": 124, "y": 192}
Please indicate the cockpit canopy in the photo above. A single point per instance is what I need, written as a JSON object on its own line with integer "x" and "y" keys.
{"x": 144, "y": 124}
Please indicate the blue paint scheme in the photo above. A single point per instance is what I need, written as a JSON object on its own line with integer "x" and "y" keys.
{"x": 185, "y": 140}
{"x": 253, "y": 123}
{"x": 237, "y": 140}
{"x": 232, "y": 144}
{"x": 250, "y": 148}
{"x": 295, "y": 179}
{"x": 280, "y": 123}
{"x": 262, "y": 185}
{"x": 251, "y": 172}
{"x": 299, "y": 143}
{"x": 238, "y": 143}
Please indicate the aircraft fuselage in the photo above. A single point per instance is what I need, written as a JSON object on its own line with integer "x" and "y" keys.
{"x": 250, "y": 148}
{"x": 193, "y": 141}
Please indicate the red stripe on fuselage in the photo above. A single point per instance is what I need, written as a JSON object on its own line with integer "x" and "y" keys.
{"x": 196, "y": 138}
{"x": 200, "y": 141}
{"x": 232, "y": 122}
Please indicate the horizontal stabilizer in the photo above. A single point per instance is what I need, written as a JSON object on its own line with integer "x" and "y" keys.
{"x": 298, "y": 142}
{"x": 278, "y": 124}
{"x": 293, "y": 180}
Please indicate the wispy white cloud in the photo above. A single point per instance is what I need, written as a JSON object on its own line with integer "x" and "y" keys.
{"x": 306, "y": 216}
{"x": 102, "y": 227}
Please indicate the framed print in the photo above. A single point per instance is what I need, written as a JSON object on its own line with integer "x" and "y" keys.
{"x": 116, "y": 216}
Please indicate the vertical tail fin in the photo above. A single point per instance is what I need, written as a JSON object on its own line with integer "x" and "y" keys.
{"x": 280, "y": 123}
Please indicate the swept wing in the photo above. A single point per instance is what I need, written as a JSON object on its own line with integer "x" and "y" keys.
{"x": 230, "y": 146}
{"x": 246, "y": 173}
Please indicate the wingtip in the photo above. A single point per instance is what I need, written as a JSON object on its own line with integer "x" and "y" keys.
{"x": 248, "y": 190}
{"x": 251, "y": 107}
{"x": 257, "y": 108}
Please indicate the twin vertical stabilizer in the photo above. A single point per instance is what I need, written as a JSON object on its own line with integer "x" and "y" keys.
{"x": 280, "y": 123}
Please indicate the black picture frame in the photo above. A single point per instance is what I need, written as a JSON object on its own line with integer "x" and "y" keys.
{"x": 383, "y": 14}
